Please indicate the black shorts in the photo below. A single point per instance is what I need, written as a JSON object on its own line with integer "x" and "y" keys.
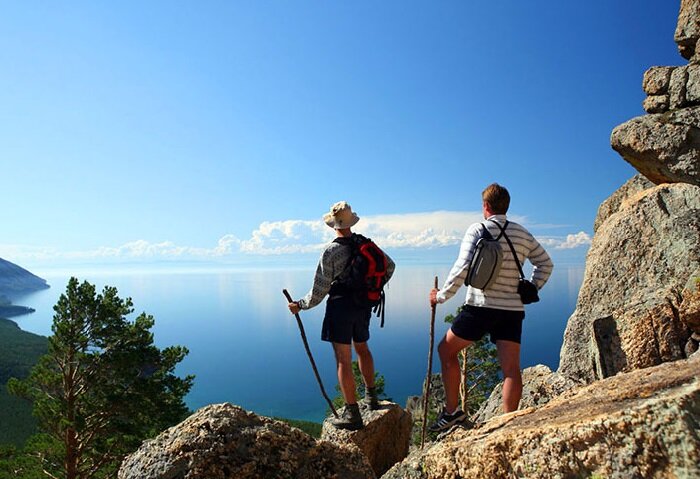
{"x": 345, "y": 321}
{"x": 473, "y": 322}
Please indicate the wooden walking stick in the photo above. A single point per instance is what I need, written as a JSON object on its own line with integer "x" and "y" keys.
{"x": 308, "y": 353}
{"x": 429, "y": 376}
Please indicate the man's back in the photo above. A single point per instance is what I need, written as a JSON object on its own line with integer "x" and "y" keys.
{"x": 502, "y": 293}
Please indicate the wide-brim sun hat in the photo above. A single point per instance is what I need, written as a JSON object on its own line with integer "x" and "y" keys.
{"x": 341, "y": 216}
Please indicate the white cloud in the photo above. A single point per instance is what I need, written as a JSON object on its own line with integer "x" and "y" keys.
{"x": 227, "y": 244}
{"x": 571, "y": 241}
{"x": 286, "y": 237}
{"x": 139, "y": 249}
{"x": 411, "y": 230}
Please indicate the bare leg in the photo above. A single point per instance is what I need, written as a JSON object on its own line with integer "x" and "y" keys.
{"x": 449, "y": 348}
{"x": 509, "y": 358}
{"x": 343, "y": 361}
{"x": 366, "y": 363}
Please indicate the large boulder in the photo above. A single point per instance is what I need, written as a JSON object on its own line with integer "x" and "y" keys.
{"x": 663, "y": 147}
{"x": 639, "y": 263}
{"x": 540, "y": 385}
{"x": 639, "y": 424}
{"x": 384, "y": 440}
{"x": 223, "y": 441}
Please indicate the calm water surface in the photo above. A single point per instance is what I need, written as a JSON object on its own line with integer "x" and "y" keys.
{"x": 245, "y": 347}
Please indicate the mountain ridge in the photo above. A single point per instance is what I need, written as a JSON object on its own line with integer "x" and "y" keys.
{"x": 14, "y": 279}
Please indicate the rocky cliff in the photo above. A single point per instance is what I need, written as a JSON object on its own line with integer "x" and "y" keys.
{"x": 642, "y": 261}
{"x": 645, "y": 255}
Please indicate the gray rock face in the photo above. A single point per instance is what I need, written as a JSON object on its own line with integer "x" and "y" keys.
{"x": 630, "y": 189}
{"x": 223, "y": 441}
{"x": 663, "y": 147}
{"x": 688, "y": 28}
{"x": 641, "y": 259}
{"x": 540, "y": 385}
{"x": 384, "y": 440}
{"x": 638, "y": 424}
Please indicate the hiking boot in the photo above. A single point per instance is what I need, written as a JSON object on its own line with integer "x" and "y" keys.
{"x": 349, "y": 419}
{"x": 371, "y": 400}
{"x": 445, "y": 421}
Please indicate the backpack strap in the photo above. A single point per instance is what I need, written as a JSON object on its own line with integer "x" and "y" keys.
{"x": 488, "y": 233}
{"x": 512, "y": 249}
{"x": 352, "y": 243}
{"x": 379, "y": 309}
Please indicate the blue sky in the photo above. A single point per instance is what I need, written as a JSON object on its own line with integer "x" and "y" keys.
{"x": 139, "y": 131}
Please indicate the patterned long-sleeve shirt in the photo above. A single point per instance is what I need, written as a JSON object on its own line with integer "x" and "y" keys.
{"x": 334, "y": 259}
{"x": 503, "y": 293}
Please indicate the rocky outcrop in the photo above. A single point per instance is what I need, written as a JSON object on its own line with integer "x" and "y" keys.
{"x": 639, "y": 263}
{"x": 15, "y": 279}
{"x": 688, "y": 29}
{"x": 664, "y": 147}
{"x": 646, "y": 248}
{"x": 638, "y": 424}
{"x": 223, "y": 441}
{"x": 540, "y": 385}
{"x": 384, "y": 440}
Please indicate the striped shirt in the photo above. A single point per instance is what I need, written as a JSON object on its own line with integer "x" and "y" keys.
{"x": 332, "y": 263}
{"x": 503, "y": 293}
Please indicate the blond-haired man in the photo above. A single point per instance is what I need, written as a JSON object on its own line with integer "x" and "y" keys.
{"x": 497, "y": 309}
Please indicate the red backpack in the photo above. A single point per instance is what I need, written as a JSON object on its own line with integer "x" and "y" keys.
{"x": 365, "y": 273}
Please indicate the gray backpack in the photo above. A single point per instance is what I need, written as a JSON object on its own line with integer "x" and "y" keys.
{"x": 486, "y": 261}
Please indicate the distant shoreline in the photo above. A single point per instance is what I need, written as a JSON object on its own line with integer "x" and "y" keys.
{"x": 10, "y": 311}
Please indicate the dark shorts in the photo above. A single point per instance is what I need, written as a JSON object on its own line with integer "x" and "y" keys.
{"x": 345, "y": 322}
{"x": 473, "y": 322}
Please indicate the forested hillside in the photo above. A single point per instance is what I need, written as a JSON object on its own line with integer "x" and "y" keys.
{"x": 19, "y": 351}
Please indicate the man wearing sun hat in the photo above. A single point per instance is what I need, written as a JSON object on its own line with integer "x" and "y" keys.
{"x": 345, "y": 323}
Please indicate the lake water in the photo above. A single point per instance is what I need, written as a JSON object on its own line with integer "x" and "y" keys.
{"x": 245, "y": 347}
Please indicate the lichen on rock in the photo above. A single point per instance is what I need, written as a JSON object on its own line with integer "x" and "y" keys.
{"x": 223, "y": 441}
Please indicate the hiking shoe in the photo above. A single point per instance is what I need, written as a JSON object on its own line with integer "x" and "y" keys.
{"x": 349, "y": 419}
{"x": 371, "y": 401}
{"x": 445, "y": 421}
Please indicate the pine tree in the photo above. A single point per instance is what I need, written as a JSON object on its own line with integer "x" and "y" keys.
{"x": 104, "y": 386}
